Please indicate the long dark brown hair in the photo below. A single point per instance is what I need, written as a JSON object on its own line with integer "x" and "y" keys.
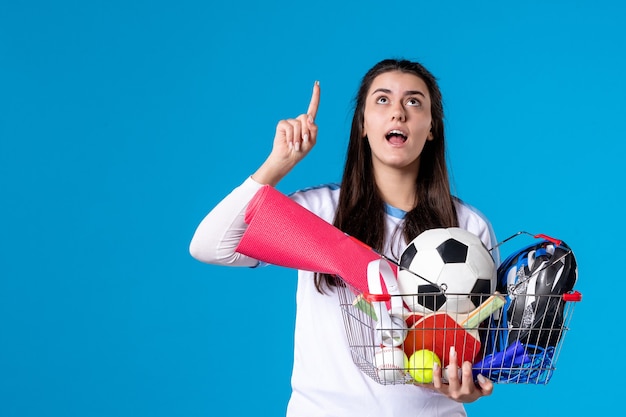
{"x": 361, "y": 210}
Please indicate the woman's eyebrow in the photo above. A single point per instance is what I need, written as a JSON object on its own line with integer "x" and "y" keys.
{"x": 414, "y": 92}
{"x": 406, "y": 93}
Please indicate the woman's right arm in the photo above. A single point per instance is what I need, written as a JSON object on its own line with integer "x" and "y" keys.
{"x": 219, "y": 233}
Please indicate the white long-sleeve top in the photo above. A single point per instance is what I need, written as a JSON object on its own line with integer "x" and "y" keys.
{"x": 325, "y": 381}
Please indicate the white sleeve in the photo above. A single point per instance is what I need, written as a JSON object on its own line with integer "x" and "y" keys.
{"x": 472, "y": 219}
{"x": 219, "y": 233}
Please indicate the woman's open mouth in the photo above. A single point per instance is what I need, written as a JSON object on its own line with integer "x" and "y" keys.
{"x": 396, "y": 137}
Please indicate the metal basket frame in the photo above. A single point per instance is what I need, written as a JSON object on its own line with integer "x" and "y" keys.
{"x": 529, "y": 363}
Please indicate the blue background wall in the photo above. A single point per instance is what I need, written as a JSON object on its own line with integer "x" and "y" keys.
{"x": 123, "y": 122}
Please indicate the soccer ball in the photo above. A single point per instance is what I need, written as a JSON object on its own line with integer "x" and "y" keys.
{"x": 450, "y": 259}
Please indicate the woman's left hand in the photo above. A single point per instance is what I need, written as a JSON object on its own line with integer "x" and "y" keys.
{"x": 461, "y": 386}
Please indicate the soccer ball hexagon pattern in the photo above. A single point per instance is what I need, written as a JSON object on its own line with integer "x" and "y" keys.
{"x": 452, "y": 259}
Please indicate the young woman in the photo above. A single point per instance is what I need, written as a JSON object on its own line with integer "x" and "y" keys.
{"x": 394, "y": 186}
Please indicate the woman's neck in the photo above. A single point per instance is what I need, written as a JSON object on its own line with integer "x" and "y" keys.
{"x": 397, "y": 188}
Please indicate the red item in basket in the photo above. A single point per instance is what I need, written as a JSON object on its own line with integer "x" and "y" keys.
{"x": 282, "y": 232}
{"x": 438, "y": 332}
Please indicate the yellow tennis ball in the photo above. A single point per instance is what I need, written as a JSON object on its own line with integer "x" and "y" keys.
{"x": 421, "y": 365}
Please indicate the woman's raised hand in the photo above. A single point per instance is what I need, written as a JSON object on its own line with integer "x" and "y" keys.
{"x": 293, "y": 140}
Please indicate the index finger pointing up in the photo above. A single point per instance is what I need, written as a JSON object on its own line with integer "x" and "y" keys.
{"x": 315, "y": 101}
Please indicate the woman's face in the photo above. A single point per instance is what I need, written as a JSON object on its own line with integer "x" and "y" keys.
{"x": 397, "y": 120}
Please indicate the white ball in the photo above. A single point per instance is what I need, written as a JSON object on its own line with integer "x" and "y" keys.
{"x": 391, "y": 364}
{"x": 452, "y": 258}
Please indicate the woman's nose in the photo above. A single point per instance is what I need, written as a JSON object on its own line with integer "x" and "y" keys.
{"x": 398, "y": 113}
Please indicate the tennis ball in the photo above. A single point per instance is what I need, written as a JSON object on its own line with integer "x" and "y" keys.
{"x": 421, "y": 365}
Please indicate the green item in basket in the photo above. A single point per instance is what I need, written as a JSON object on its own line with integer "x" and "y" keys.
{"x": 365, "y": 306}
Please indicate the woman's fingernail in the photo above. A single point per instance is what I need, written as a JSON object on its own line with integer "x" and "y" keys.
{"x": 452, "y": 352}
{"x": 481, "y": 378}
{"x": 435, "y": 366}
{"x": 305, "y": 137}
{"x": 297, "y": 146}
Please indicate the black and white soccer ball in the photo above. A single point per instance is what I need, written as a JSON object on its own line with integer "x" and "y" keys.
{"x": 452, "y": 259}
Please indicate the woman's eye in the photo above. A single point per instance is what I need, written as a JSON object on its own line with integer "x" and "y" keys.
{"x": 413, "y": 102}
{"x": 382, "y": 100}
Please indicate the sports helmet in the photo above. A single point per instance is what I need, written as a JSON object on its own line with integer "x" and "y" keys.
{"x": 534, "y": 278}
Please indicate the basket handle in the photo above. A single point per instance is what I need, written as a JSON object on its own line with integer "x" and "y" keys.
{"x": 442, "y": 287}
{"x": 557, "y": 242}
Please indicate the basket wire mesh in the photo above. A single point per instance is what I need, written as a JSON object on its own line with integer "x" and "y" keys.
{"x": 504, "y": 354}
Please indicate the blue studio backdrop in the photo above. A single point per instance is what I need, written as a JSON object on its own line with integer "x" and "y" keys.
{"x": 123, "y": 122}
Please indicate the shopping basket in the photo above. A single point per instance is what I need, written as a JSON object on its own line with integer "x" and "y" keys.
{"x": 383, "y": 337}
